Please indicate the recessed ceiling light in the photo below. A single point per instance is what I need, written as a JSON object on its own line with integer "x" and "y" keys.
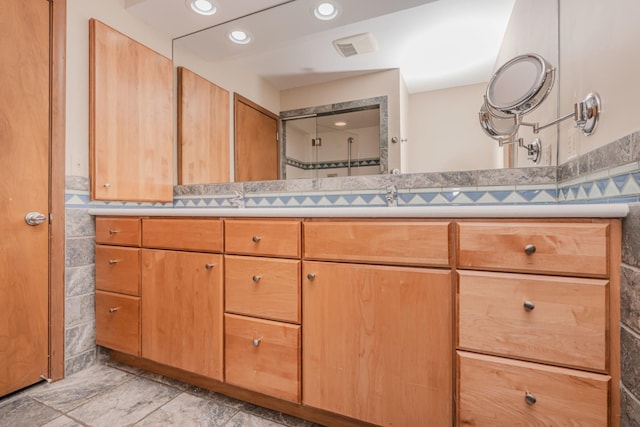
{"x": 340, "y": 124}
{"x": 203, "y": 7}
{"x": 239, "y": 36}
{"x": 326, "y": 11}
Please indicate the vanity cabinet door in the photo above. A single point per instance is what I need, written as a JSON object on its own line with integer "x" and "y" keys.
{"x": 130, "y": 118}
{"x": 377, "y": 343}
{"x": 182, "y": 303}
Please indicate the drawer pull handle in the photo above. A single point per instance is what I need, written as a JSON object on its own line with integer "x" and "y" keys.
{"x": 311, "y": 276}
{"x": 256, "y": 341}
{"x": 255, "y": 278}
{"x": 209, "y": 266}
{"x": 114, "y": 309}
{"x": 256, "y": 239}
{"x": 114, "y": 261}
{"x": 530, "y": 398}
{"x": 113, "y": 231}
{"x": 529, "y": 305}
{"x": 530, "y": 249}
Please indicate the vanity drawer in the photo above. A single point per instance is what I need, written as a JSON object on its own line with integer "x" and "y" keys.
{"x": 118, "y": 322}
{"x": 188, "y": 234}
{"x": 263, "y": 356}
{"x": 263, "y": 287}
{"x": 551, "y": 319}
{"x": 118, "y": 269}
{"x": 118, "y": 231}
{"x": 278, "y": 238}
{"x": 382, "y": 242}
{"x": 579, "y": 249}
{"x": 500, "y": 392}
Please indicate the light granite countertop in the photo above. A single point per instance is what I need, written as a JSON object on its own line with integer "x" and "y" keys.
{"x": 613, "y": 210}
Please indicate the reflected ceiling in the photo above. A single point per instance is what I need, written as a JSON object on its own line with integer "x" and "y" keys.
{"x": 435, "y": 44}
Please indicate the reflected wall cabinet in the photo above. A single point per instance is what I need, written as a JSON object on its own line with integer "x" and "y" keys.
{"x": 130, "y": 118}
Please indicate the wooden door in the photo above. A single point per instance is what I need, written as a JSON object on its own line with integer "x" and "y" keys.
{"x": 203, "y": 130}
{"x": 256, "y": 142}
{"x": 377, "y": 343}
{"x": 182, "y": 305}
{"x": 24, "y": 173}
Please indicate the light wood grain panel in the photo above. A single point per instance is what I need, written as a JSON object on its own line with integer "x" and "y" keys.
{"x": 567, "y": 326}
{"x": 130, "y": 118}
{"x": 579, "y": 249}
{"x": 182, "y": 303}
{"x": 203, "y": 130}
{"x": 377, "y": 343}
{"x": 491, "y": 392}
{"x": 190, "y": 234}
{"x": 25, "y": 116}
{"x": 118, "y": 322}
{"x": 256, "y": 145}
{"x": 263, "y": 287}
{"x": 271, "y": 365}
{"x": 57, "y": 200}
{"x": 278, "y": 238}
{"x": 386, "y": 242}
{"x": 118, "y": 231}
{"x": 118, "y": 269}
{"x": 614, "y": 352}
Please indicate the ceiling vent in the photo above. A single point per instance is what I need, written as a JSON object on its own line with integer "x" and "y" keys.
{"x": 356, "y": 45}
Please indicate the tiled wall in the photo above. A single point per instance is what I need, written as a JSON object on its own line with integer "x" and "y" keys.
{"x": 607, "y": 175}
{"x": 80, "y": 325}
{"x": 630, "y": 318}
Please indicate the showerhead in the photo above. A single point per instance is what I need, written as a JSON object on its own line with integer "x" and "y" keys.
{"x": 350, "y": 140}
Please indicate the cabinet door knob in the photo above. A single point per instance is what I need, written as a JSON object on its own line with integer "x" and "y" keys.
{"x": 529, "y": 305}
{"x": 107, "y": 185}
{"x": 530, "y": 398}
{"x": 113, "y": 231}
{"x": 256, "y": 239}
{"x": 255, "y": 278}
{"x": 256, "y": 341}
{"x": 114, "y": 309}
{"x": 209, "y": 266}
{"x": 114, "y": 261}
{"x": 530, "y": 249}
{"x": 311, "y": 276}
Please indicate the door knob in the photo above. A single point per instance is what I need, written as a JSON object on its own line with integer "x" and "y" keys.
{"x": 35, "y": 218}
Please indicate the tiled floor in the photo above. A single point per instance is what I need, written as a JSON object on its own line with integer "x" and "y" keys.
{"x": 110, "y": 394}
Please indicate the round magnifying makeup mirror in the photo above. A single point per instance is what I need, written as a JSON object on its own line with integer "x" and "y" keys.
{"x": 501, "y": 127}
{"x": 520, "y": 85}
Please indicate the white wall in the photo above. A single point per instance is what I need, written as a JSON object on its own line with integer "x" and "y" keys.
{"x": 112, "y": 13}
{"x": 599, "y": 45}
{"x": 444, "y": 132}
{"x": 533, "y": 28}
{"x": 383, "y": 83}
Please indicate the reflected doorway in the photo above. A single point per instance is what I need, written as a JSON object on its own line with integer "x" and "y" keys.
{"x": 338, "y": 140}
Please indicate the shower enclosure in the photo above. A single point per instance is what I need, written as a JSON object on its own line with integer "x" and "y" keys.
{"x": 343, "y": 143}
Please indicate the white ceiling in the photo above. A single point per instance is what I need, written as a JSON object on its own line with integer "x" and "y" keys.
{"x": 434, "y": 43}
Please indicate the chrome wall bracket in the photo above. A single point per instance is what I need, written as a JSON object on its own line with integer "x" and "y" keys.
{"x": 585, "y": 113}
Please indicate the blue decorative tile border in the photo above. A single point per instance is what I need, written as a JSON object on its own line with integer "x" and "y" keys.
{"x": 336, "y": 164}
{"x": 619, "y": 184}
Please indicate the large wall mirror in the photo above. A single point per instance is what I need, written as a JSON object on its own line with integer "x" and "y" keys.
{"x": 430, "y": 60}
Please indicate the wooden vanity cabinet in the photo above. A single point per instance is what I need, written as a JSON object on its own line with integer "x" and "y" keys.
{"x": 536, "y": 345}
{"x": 377, "y": 339}
{"x": 182, "y": 294}
{"x": 117, "y": 305}
{"x": 262, "y": 306}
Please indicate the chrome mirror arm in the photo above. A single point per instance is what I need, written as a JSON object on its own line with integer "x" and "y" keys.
{"x": 585, "y": 114}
